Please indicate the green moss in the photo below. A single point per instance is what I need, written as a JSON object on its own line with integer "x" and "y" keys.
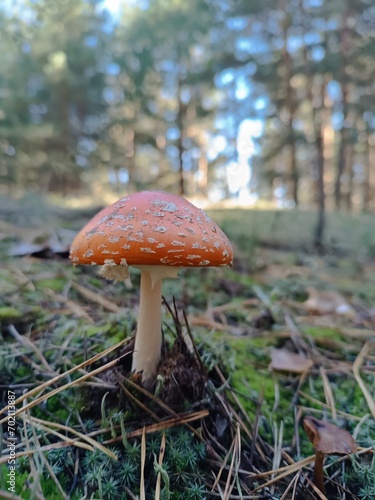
{"x": 91, "y": 330}
{"x": 20, "y": 479}
{"x": 291, "y": 288}
{"x": 96, "y": 282}
{"x": 323, "y": 332}
{"x": 56, "y": 284}
{"x": 117, "y": 331}
{"x": 249, "y": 378}
{"x": 7, "y": 313}
{"x": 249, "y": 375}
{"x": 22, "y": 371}
{"x": 365, "y": 291}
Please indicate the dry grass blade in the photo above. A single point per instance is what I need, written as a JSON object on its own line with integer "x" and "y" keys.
{"x": 234, "y": 304}
{"x": 218, "y": 476}
{"x": 160, "y": 426}
{"x": 5, "y": 494}
{"x": 369, "y": 345}
{"x": 278, "y": 445}
{"x": 44, "y": 461}
{"x": 139, "y": 403}
{"x": 130, "y": 494}
{"x": 357, "y": 333}
{"x": 307, "y": 409}
{"x": 238, "y": 403}
{"x": 297, "y": 466}
{"x": 160, "y": 462}
{"x": 282, "y": 471}
{"x": 48, "y": 447}
{"x": 25, "y": 359}
{"x": 293, "y": 483}
{"x": 74, "y": 308}
{"x": 50, "y": 382}
{"x": 330, "y": 400}
{"x": 63, "y": 388}
{"x": 277, "y": 478}
{"x": 358, "y": 426}
{"x": 96, "y": 297}
{"x": 236, "y": 458}
{"x": 296, "y": 335}
{"x": 63, "y": 347}
{"x": 317, "y": 491}
{"x": 212, "y": 325}
{"x": 45, "y": 425}
{"x": 142, "y": 490}
{"x": 36, "y": 489}
{"x": 29, "y": 344}
{"x": 360, "y": 451}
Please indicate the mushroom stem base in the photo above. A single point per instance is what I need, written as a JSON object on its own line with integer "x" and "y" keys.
{"x": 318, "y": 472}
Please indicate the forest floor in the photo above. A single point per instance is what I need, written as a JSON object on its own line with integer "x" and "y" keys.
{"x": 283, "y": 335}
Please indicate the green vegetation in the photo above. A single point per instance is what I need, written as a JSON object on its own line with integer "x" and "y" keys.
{"x": 237, "y": 316}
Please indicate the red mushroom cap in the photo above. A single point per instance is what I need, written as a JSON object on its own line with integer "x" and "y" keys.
{"x": 152, "y": 228}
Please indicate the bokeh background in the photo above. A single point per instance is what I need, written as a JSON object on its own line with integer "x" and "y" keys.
{"x": 235, "y": 102}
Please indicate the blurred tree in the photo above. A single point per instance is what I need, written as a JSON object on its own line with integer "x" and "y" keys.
{"x": 268, "y": 49}
{"x": 169, "y": 69}
{"x": 299, "y": 52}
{"x": 159, "y": 96}
{"x": 55, "y": 82}
{"x": 344, "y": 148}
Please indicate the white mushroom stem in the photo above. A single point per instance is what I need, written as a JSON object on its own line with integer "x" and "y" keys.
{"x": 148, "y": 339}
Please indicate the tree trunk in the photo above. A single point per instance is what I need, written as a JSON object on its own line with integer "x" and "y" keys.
{"x": 130, "y": 151}
{"x": 366, "y": 184}
{"x": 317, "y": 117}
{"x": 320, "y": 224}
{"x": 349, "y": 170}
{"x": 294, "y": 172}
{"x": 344, "y": 131}
{"x": 371, "y": 175}
{"x": 203, "y": 174}
{"x": 320, "y": 126}
{"x": 181, "y": 114}
{"x": 291, "y": 106}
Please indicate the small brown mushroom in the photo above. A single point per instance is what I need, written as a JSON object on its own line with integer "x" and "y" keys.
{"x": 327, "y": 439}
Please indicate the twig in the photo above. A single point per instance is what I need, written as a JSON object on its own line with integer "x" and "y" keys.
{"x": 27, "y": 343}
{"x": 368, "y": 346}
{"x": 328, "y": 393}
{"x": 160, "y": 462}
{"x": 142, "y": 491}
{"x": 96, "y": 297}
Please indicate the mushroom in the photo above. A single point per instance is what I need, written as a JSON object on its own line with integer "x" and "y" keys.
{"x": 158, "y": 233}
{"x": 327, "y": 439}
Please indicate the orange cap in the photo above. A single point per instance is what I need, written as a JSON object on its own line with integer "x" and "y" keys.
{"x": 152, "y": 228}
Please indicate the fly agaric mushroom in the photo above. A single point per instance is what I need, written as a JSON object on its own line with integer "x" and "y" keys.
{"x": 327, "y": 439}
{"x": 158, "y": 233}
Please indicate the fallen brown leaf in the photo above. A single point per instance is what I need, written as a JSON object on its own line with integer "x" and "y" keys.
{"x": 283, "y": 360}
{"x": 327, "y": 302}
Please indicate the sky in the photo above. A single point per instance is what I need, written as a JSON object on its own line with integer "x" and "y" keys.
{"x": 114, "y": 6}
